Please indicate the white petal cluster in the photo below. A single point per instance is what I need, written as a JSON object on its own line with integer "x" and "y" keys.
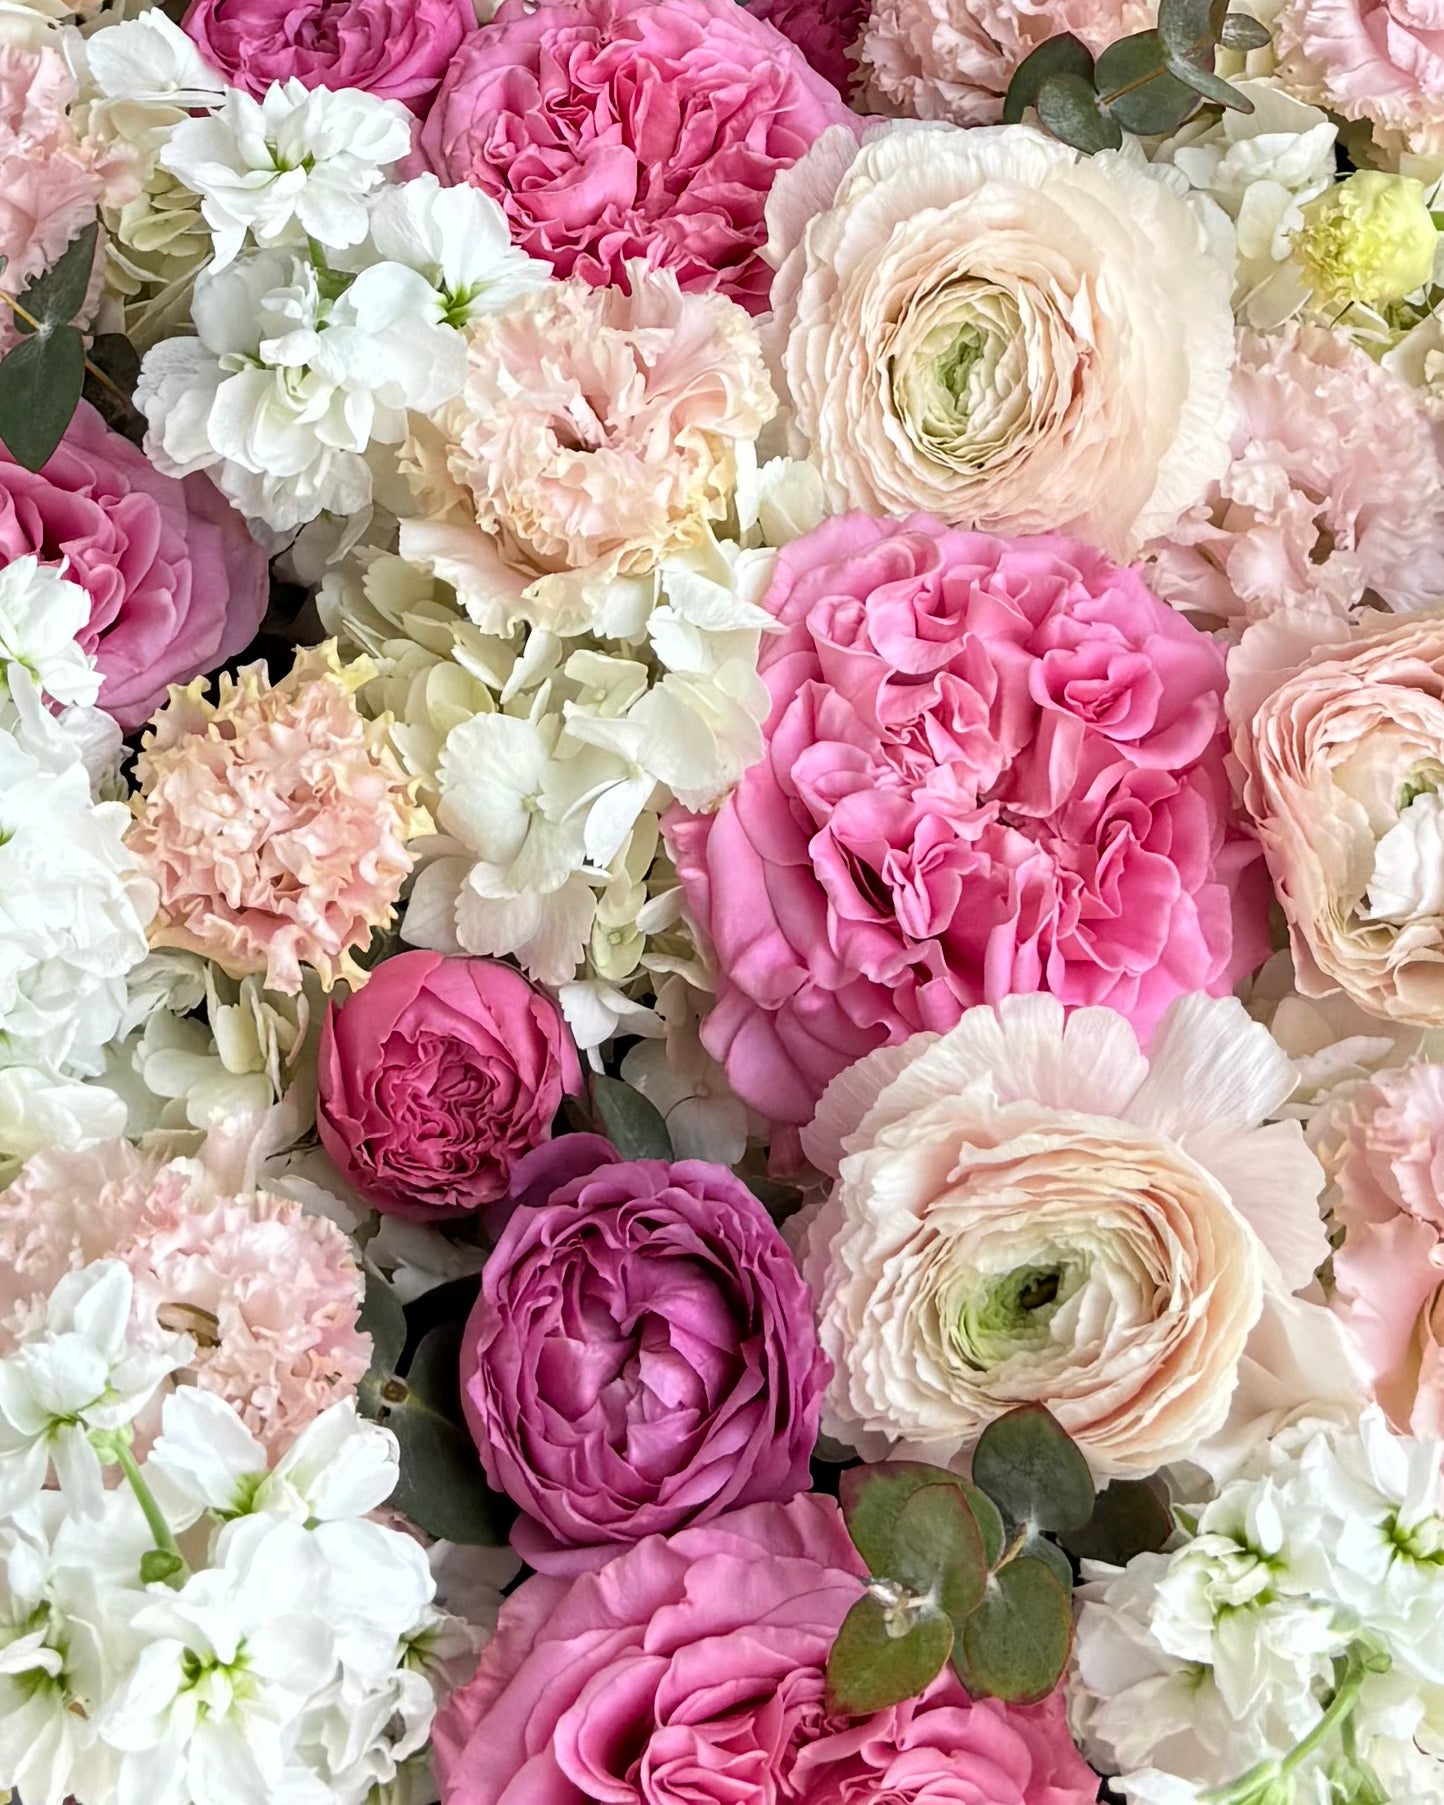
{"x": 1290, "y": 1643}
{"x": 216, "y": 1627}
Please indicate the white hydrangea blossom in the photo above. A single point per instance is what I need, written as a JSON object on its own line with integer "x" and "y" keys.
{"x": 1288, "y": 1650}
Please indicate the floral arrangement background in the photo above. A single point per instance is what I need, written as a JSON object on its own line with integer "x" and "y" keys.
{"x": 721, "y": 902}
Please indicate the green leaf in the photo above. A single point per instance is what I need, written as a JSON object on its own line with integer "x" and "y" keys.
{"x": 159, "y": 1565}
{"x": 1241, "y": 31}
{"x": 1188, "y": 29}
{"x": 874, "y": 1497}
{"x": 938, "y": 1548}
{"x": 383, "y": 1319}
{"x": 1015, "y": 1645}
{"x": 1130, "y": 1516}
{"x": 868, "y": 1669}
{"x": 1027, "y": 1465}
{"x": 434, "y": 1375}
{"x": 1061, "y": 55}
{"x": 1211, "y": 86}
{"x": 56, "y": 295}
{"x": 1136, "y": 89}
{"x": 442, "y": 1488}
{"x": 113, "y": 355}
{"x": 40, "y": 383}
{"x": 1069, "y": 108}
{"x": 990, "y": 1522}
{"x": 1039, "y": 1548}
{"x": 632, "y": 1124}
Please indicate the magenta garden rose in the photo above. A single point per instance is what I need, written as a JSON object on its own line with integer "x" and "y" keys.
{"x": 394, "y": 49}
{"x": 642, "y": 1354}
{"x": 993, "y": 766}
{"x": 176, "y": 583}
{"x": 689, "y": 1671}
{"x": 613, "y": 129}
{"x": 436, "y": 1077}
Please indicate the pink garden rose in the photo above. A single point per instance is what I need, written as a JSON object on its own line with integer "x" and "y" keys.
{"x": 992, "y": 766}
{"x": 689, "y": 1671}
{"x": 642, "y": 1355}
{"x": 177, "y": 585}
{"x": 394, "y": 49}
{"x": 613, "y": 129}
{"x": 825, "y": 31}
{"x": 436, "y": 1077}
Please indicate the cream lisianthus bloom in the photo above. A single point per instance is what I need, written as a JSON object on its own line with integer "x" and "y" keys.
{"x": 988, "y": 327}
{"x": 1028, "y": 1208}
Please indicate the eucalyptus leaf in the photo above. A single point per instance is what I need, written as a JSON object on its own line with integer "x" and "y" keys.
{"x": 441, "y": 1488}
{"x": 1027, "y": 1465}
{"x": 1211, "y": 86}
{"x": 1068, "y": 107}
{"x": 873, "y": 1498}
{"x": 1039, "y": 1548}
{"x": 868, "y": 1669}
{"x": 1189, "y": 29}
{"x": 1015, "y": 1645}
{"x": 56, "y": 295}
{"x": 1136, "y": 89}
{"x": 938, "y": 1549}
{"x": 383, "y": 1319}
{"x": 990, "y": 1523}
{"x": 1130, "y": 1517}
{"x": 632, "y": 1124}
{"x": 1060, "y": 55}
{"x": 1241, "y": 31}
{"x": 40, "y": 382}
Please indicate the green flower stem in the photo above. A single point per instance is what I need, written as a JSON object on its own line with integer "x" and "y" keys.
{"x": 35, "y": 325}
{"x": 117, "y": 1446}
{"x": 1252, "y": 1784}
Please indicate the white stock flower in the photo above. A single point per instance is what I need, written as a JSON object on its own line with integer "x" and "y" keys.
{"x": 80, "y": 1374}
{"x": 457, "y": 239}
{"x": 300, "y": 162}
{"x": 150, "y": 60}
{"x": 40, "y": 615}
{"x": 40, "y": 1112}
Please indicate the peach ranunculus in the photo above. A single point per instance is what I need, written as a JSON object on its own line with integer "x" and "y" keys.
{"x": 598, "y": 432}
{"x": 986, "y": 326}
{"x": 1028, "y": 1209}
{"x": 1341, "y": 735}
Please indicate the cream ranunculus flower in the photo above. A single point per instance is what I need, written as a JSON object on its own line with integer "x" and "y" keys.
{"x": 1032, "y": 1209}
{"x": 987, "y": 326}
{"x": 1341, "y": 734}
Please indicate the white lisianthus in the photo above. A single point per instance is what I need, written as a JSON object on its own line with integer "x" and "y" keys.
{"x": 299, "y": 163}
{"x": 457, "y": 239}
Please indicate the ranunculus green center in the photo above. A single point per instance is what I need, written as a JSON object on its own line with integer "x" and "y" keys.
{"x": 1008, "y": 1313}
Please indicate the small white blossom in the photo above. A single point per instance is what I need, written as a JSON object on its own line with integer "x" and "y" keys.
{"x": 458, "y": 240}
{"x": 40, "y": 615}
{"x": 149, "y": 59}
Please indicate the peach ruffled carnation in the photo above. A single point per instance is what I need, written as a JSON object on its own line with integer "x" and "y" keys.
{"x": 953, "y": 59}
{"x": 1378, "y": 60}
{"x": 275, "y": 821}
{"x": 599, "y": 431}
{"x": 1334, "y": 496}
{"x": 270, "y": 1294}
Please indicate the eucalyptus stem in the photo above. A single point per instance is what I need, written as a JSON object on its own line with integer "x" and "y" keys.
{"x": 22, "y": 313}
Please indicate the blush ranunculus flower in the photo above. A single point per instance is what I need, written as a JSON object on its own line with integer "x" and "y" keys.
{"x": 176, "y": 583}
{"x": 617, "y": 129}
{"x": 1028, "y": 1209}
{"x": 394, "y": 49}
{"x": 988, "y": 326}
{"x": 689, "y": 1671}
{"x": 1379, "y": 60}
{"x": 598, "y": 432}
{"x": 642, "y": 1355}
{"x": 436, "y": 1077}
{"x": 992, "y": 766}
{"x": 1341, "y": 735}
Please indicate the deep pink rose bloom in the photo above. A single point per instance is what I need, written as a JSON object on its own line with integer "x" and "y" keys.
{"x": 642, "y": 1354}
{"x": 992, "y": 766}
{"x": 394, "y": 49}
{"x": 176, "y": 583}
{"x": 612, "y": 129}
{"x": 689, "y": 1671}
{"x": 436, "y": 1077}
{"x": 824, "y": 31}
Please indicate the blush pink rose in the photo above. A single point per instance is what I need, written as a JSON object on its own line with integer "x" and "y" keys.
{"x": 825, "y": 31}
{"x": 394, "y": 49}
{"x": 436, "y": 1077}
{"x": 689, "y": 1671}
{"x": 992, "y": 766}
{"x": 176, "y": 583}
{"x": 614, "y": 129}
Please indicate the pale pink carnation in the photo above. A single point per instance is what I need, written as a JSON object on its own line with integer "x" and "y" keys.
{"x": 1380, "y": 60}
{"x": 598, "y": 431}
{"x": 1382, "y": 1142}
{"x": 270, "y": 1294}
{"x": 953, "y": 59}
{"x": 274, "y": 821}
{"x": 1334, "y": 497}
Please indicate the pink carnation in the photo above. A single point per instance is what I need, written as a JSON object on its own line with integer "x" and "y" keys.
{"x": 274, "y": 822}
{"x": 953, "y": 59}
{"x": 825, "y": 31}
{"x": 1380, "y": 60}
{"x": 614, "y": 129}
{"x": 394, "y": 49}
{"x": 992, "y": 766}
{"x": 1335, "y": 494}
{"x": 176, "y": 583}
{"x": 689, "y": 1671}
{"x": 270, "y": 1294}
